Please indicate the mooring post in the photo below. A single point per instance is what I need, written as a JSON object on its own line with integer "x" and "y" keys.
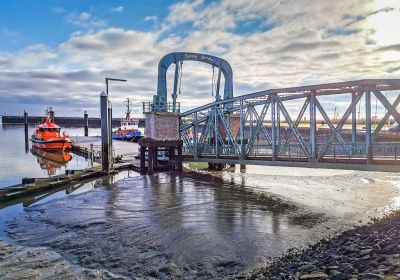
{"x": 142, "y": 160}
{"x": 110, "y": 149}
{"x": 171, "y": 156}
{"x": 155, "y": 157}
{"x": 26, "y": 130}
{"x": 150, "y": 161}
{"x": 180, "y": 159}
{"x": 104, "y": 131}
{"x": 86, "y": 123}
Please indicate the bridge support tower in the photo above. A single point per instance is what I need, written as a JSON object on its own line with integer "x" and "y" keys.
{"x": 162, "y": 140}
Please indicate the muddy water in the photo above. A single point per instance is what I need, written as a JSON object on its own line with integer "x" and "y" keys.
{"x": 168, "y": 224}
{"x": 197, "y": 225}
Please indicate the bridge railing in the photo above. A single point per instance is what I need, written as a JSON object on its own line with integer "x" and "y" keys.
{"x": 358, "y": 151}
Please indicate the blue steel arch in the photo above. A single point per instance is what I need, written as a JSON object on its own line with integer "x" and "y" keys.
{"x": 160, "y": 100}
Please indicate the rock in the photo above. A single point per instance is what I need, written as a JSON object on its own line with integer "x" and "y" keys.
{"x": 390, "y": 248}
{"x": 153, "y": 273}
{"x": 333, "y": 267}
{"x": 373, "y": 276}
{"x": 165, "y": 269}
{"x": 340, "y": 276}
{"x": 314, "y": 275}
{"x": 308, "y": 268}
{"x": 365, "y": 252}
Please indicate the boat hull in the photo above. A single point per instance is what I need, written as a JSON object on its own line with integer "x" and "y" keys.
{"x": 59, "y": 144}
{"x": 133, "y": 137}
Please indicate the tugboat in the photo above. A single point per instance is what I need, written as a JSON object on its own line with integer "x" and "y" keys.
{"x": 48, "y": 136}
{"x": 129, "y": 128}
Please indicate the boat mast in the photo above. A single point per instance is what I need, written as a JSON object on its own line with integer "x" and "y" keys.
{"x": 128, "y": 109}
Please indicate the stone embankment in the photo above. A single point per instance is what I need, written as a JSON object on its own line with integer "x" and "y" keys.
{"x": 367, "y": 252}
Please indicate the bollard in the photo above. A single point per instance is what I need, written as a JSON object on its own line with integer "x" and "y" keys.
{"x": 26, "y": 130}
{"x": 86, "y": 123}
{"x": 104, "y": 131}
{"x": 111, "y": 157}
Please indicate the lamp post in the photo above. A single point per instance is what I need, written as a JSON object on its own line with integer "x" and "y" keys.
{"x": 109, "y": 118}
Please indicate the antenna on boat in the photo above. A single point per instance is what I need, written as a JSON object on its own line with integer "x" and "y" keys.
{"x": 128, "y": 109}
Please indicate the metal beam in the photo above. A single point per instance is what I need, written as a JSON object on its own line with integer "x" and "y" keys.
{"x": 339, "y": 126}
{"x": 298, "y": 120}
{"x": 313, "y": 127}
{"x": 353, "y": 121}
{"x": 293, "y": 128}
{"x": 273, "y": 125}
{"x": 368, "y": 136}
{"x": 331, "y": 126}
{"x": 386, "y": 117}
{"x": 387, "y": 105}
{"x": 303, "y": 91}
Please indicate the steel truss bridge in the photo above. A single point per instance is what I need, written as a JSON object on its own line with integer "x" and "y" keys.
{"x": 260, "y": 128}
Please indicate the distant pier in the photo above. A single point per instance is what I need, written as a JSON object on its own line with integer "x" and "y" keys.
{"x": 64, "y": 121}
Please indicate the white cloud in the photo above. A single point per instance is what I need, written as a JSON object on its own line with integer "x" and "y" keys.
{"x": 58, "y": 10}
{"x": 118, "y": 9}
{"x": 151, "y": 18}
{"x": 324, "y": 42}
{"x": 85, "y": 21}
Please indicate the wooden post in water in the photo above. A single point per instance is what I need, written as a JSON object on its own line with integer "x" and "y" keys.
{"x": 150, "y": 161}
{"x": 104, "y": 132}
{"x": 110, "y": 149}
{"x": 26, "y": 130}
{"x": 143, "y": 160}
{"x": 86, "y": 123}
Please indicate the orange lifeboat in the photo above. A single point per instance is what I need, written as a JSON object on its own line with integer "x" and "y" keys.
{"x": 48, "y": 136}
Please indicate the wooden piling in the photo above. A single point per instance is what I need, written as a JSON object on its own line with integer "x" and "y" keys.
{"x": 26, "y": 130}
{"x": 86, "y": 123}
{"x": 104, "y": 132}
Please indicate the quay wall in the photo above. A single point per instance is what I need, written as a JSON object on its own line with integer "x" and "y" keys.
{"x": 63, "y": 121}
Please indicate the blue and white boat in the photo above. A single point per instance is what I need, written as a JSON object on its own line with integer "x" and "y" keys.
{"x": 128, "y": 131}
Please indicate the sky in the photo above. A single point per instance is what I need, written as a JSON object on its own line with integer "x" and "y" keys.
{"x": 58, "y": 53}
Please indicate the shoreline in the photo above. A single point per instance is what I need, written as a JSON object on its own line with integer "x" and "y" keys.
{"x": 307, "y": 265}
{"x": 370, "y": 251}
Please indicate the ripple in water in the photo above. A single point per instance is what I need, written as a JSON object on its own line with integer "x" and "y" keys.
{"x": 190, "y": 225}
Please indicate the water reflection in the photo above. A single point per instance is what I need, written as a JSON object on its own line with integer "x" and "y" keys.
{"x": 167, "y": 225}
{"x": 51, "y": 161}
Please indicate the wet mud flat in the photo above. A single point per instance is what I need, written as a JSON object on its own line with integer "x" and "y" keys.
{"x": 189, "y": 225}
{"x": 192, "y": 225}
{"x": 19, "y": 262}
{"x": 367, "y": 252}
